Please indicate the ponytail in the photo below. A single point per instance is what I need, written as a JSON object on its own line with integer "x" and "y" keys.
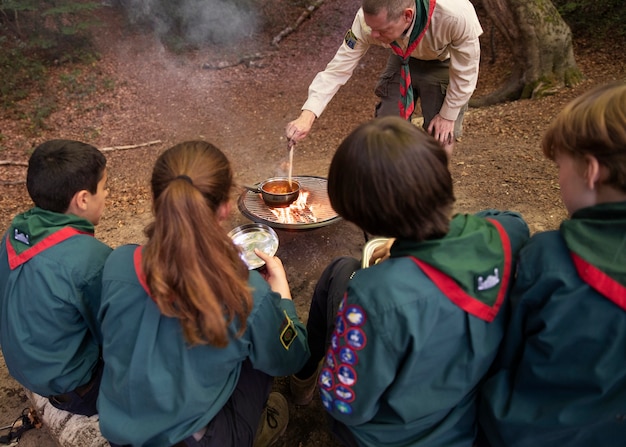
{"x": 193, "y": 270}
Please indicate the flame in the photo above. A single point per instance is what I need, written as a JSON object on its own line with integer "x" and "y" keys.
{"x": 298, "y": 212}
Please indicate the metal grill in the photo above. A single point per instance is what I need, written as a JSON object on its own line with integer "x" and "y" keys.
{"x": 252, "y": 206}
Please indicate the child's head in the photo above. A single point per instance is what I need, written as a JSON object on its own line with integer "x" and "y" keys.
{"x": 194, "y": 163}
{"x": 66, "y": 176}
{"x": 391, "y": 179}
{"x": 193, "y": 269}
{"x": 587, "y": 140}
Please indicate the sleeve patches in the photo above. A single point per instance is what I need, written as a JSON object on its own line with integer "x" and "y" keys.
{"x": 350, "y": 39}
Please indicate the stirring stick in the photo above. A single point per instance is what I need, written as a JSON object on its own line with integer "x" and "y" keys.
{"x": 291, "y": 145}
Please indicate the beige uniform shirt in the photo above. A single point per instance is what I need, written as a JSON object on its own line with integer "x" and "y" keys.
{"x": 453, "y": 33}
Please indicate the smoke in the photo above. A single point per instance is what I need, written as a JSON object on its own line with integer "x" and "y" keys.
{"x": 196, "y": 21}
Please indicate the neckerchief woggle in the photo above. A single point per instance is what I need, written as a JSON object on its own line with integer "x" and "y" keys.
{"x": 423, "y": 12}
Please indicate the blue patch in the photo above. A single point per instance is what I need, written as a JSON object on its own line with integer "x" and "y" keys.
{"x": 343, "y": 407}
{"x": 350, "y": 39}
{"x": 327, "y": 399}
{"x": 326, "y": 380}
{"x": 334, "y": 342}
{"x": 355, "y": 315}
{"x": 343, "y": 303}
{"x": 344, "y": 393}
{"x": 356, "y": 339}
{"x": 346, "y": 375}
{"x": 330, "y": 360}
{"x": 340, "y": 325}
{"x": 347, "y": 355}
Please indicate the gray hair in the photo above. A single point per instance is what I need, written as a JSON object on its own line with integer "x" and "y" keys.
{"x": 394, "y": 7}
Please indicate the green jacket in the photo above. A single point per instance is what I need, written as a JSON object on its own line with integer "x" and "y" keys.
{"x": 156, "y": 390}
{"x": 560, "y": 379}
{"x": 416, "y": 333}
{"x": 50, "y": 281}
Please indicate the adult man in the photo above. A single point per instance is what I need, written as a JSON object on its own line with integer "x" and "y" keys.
{"x": 435, "y": 50}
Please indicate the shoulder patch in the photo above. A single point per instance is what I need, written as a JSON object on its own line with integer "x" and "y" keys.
{"x": 350, "y": 39}
{"x": 288, "y": 332}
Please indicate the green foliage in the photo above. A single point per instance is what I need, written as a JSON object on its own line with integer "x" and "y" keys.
{"x": 595, "y": 20}
{"x": 34, "y": 35}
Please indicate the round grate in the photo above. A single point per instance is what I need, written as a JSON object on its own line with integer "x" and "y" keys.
{"x": 320, "y": 214}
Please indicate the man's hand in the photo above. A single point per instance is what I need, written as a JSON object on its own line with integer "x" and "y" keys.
{"x": 299, "y": 128}
{"x": 442, "y": 129}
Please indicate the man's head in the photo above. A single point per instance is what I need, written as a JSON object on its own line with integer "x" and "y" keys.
{"x": 388, "y": 19}
{"x": 66, "y": 176}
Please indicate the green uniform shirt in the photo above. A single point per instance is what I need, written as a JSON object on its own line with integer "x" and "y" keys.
{"x": 50, "y": 281}
{"x": 561, "y": 376}
{"x": 406, "y": 358}
{"x": 157, "y": 390}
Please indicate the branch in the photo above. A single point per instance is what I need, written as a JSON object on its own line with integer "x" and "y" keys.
{"x": 290, "y": 29}
{"x": 132, "y": 146}
{"x": 13, "y": 163}
{"x": 18, "y": 182}
{"x": 249, "y": 60}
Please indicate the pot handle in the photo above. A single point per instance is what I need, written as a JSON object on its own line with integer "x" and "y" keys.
{"x": 255, "y": 188}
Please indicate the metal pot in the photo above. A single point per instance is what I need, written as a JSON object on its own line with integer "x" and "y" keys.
{"x": 276, "y": 192}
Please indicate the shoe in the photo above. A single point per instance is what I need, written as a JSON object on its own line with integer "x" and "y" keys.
{"x": 274, "y": 420}
{"x": 303, "y": 390}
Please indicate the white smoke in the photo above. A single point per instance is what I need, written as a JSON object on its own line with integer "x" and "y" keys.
{"x": 196, "y": 21}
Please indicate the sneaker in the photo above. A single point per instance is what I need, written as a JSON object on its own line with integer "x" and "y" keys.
{"x": 303, "y": 390}
{"x": 274, "y": 420}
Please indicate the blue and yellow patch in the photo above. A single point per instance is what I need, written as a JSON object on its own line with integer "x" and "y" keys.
{"x": 350, "y": 39}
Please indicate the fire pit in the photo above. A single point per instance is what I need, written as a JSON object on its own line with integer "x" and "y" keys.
{"x": 311, "y": 210}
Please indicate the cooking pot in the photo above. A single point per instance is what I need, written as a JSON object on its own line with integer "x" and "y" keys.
{"x": 276, "y": 192}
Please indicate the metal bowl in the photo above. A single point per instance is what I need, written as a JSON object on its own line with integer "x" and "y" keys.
{"x": 255, "y": 235}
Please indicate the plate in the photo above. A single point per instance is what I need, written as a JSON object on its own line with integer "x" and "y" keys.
{"x": 369, "y": 248}
{"x": 250, "y": 236}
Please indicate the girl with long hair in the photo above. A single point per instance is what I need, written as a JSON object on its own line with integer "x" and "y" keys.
{"x": 191, "y": 339}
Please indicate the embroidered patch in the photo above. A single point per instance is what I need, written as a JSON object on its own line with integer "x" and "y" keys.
{"x": 334, "y": 342}
{"x": 344, "y": 393}
{"x": 288, "y": 332}
{"x": 489, "y": 282}
{"x": 327, "y": 399}
{"x": 347, "y": 355}
{"x": 326, "y": 380}
{"x": 350, "y": 39}
{"x": 21, "y": 237}
{"x": 340, "y": 325}
{"x": 355, "y": 315}
{"x": 346, "y": 375}
{"x": 343, "y": 407}
{"x": 330, "y": 360}
{"x": 356, "y": 339}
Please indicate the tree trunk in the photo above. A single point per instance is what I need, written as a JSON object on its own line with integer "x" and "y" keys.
{"x": 541, "y": 46}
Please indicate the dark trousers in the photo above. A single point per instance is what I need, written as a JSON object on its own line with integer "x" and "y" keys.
{"x": 83, "y": 399}
{"x": 327, "y": 297}
{"x": 429, "y": 80}
{"x": 236, "y": 423}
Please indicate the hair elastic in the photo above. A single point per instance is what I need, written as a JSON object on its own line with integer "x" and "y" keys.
{"x": 184, "y": 177}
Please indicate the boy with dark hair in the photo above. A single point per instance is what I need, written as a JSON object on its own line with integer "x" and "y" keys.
{"x": 50, "y": 277}
{"x": 405, "y": 342}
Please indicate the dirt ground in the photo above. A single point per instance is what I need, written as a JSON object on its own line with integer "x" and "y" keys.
{"x": 143, "y": 93}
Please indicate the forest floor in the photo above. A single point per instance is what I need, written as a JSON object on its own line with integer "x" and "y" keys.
{"x": 139, "y": 93}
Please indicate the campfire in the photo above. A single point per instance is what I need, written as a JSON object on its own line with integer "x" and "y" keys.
{"x": 310, "y": 210}
{"x": 298, "y": 212}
